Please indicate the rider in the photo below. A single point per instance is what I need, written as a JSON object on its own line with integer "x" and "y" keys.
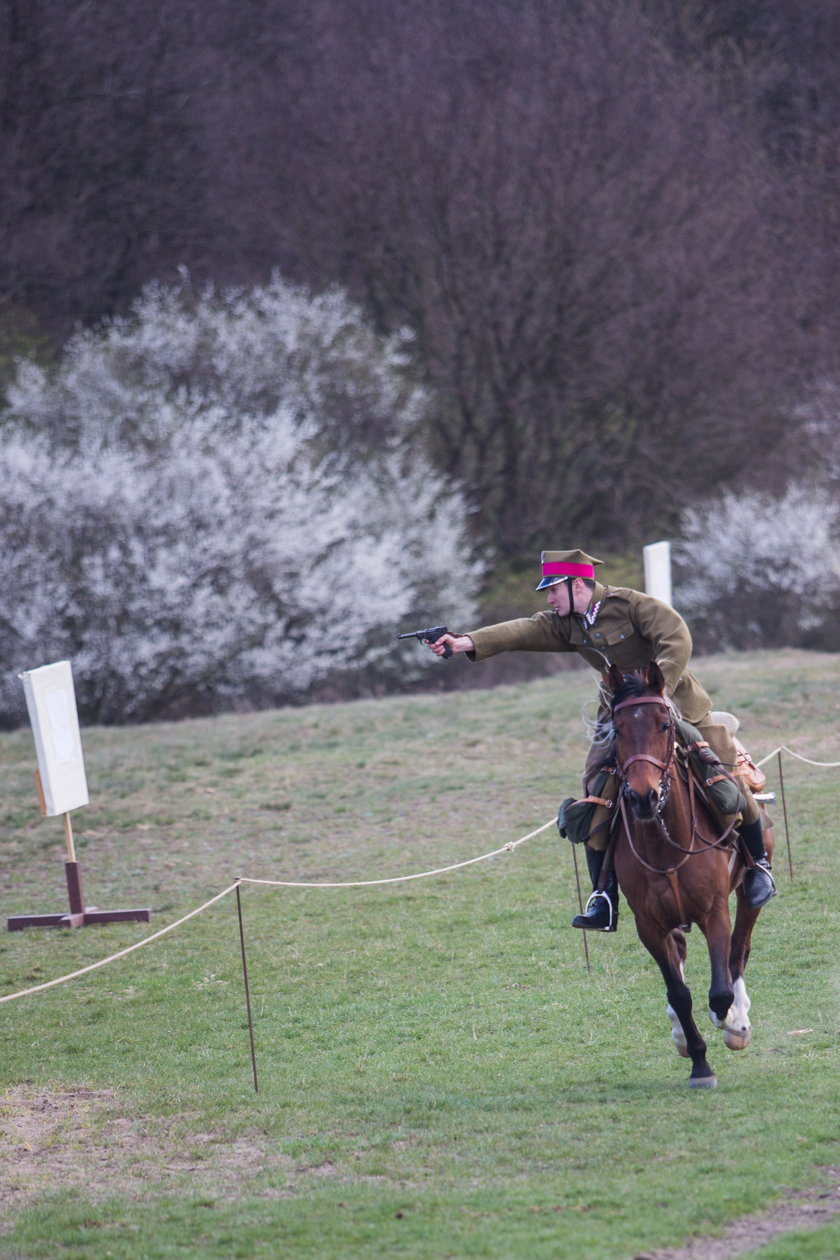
{"x": 616, "y": 625}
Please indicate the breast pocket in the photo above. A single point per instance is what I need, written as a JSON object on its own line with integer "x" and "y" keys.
{"x": 625, "y": 648}
{"x": 623, "y": 631}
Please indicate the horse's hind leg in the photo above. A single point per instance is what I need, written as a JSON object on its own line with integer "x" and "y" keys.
{"x": 737, "y": 1032}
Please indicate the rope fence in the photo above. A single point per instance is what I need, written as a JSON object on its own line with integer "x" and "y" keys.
{"x": 401, "y": 879}
{"x": 510, "y": 847}
{"x": 826, "y": 765}
{"x": 147, "y": 940}
{"x": 242, "y": 879}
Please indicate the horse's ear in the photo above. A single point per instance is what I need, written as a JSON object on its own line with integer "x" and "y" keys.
{"x": 654, "y": 678}
{"x": 615, "y": 678}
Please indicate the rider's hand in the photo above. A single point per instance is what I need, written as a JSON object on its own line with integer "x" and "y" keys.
{"x": 456, "y": 642}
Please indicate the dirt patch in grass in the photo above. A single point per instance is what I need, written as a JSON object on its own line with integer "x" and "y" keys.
{"x": 82, "y": 1140}
{"x": 799, "y": 1211}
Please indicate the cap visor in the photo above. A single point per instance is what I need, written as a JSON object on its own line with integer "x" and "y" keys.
{"x": 550, "y": 581}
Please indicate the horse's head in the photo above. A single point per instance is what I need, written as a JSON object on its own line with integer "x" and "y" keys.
{"x": 643, "y": 726}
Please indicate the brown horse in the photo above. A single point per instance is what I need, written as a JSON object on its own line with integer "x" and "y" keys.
{"x": 677, "y": 865}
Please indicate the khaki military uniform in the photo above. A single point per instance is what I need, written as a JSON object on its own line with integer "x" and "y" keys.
{"x": 629, "y": 629}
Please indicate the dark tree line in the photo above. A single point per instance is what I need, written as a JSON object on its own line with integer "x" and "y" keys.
{"x": 611, "y": 225}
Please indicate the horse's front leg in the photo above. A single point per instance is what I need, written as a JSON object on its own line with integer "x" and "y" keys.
{"x": 665, "y": 952}
{"x": 677, "y": 1034}
{"x": 717, "y": 929}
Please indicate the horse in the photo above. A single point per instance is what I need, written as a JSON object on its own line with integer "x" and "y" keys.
{"x": 677, "y": 865}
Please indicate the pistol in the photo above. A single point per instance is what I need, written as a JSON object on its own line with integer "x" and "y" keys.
{"x": 429, "y": 636}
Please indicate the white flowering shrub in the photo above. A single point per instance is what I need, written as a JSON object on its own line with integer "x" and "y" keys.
{"x": 195, "y": 514}
{"x": 761, "y": 572}
{"x": 245, "y": 353}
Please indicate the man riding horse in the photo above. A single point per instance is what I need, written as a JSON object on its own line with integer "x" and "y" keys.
{"x": 619, "y": 626}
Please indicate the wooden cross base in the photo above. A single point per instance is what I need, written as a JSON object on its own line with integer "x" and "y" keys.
{"x": 79, "y": 915}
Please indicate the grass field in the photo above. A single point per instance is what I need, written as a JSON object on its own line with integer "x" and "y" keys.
{"x": 439, "y": 1073}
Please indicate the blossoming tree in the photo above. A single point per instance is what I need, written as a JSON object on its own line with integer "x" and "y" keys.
{"x": 221, "y": 498}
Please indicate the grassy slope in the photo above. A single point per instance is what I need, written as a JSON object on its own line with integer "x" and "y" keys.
{"x": 439, "y": 1073}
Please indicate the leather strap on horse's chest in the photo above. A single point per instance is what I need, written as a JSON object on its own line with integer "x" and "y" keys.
{"x": 675, "y": 889}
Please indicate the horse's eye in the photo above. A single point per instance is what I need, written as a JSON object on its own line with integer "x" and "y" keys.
{"x": 665, "y": 726}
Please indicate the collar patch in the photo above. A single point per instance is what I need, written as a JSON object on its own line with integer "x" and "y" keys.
{"x": 591, "y": 614}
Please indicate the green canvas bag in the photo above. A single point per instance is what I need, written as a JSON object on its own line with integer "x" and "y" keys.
{"x": 719, "y": 785}
{"x": 589, "y": 818}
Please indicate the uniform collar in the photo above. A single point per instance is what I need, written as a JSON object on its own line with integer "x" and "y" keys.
{"x": 591, "y": 615}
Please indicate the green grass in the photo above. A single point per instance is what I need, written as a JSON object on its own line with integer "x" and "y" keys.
{"x": 439, "y": 1074}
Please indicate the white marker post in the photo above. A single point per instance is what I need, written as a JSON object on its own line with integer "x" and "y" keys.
{"x": 657, "y": 558}
{"x": 62, "y": 785}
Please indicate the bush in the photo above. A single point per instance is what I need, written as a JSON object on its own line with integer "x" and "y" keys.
{"x": 757, "y": 571}
{"x": 185, "y": 518}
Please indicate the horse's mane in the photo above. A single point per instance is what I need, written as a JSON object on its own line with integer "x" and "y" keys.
{"x": 634, "y": 685}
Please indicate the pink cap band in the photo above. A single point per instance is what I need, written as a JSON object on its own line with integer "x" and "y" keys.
{"x": 561, "y": 568}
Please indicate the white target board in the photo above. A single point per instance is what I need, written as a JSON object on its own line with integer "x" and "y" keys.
{"x": 51, "y": 702}
{"x": 657, "y": 557}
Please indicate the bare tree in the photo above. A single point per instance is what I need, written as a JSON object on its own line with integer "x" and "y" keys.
{"x": 611, "y": 226}
{"x": 101, "y": 161}
{"x": 577, "y": 233}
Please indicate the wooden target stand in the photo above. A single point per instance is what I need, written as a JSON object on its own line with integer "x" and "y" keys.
{"x": 79, "y": 914}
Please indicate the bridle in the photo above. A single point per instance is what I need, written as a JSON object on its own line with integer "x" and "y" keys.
{"x": 663, "y": 766}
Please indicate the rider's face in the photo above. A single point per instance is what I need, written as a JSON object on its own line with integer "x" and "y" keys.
{"x": 557, "y": 597}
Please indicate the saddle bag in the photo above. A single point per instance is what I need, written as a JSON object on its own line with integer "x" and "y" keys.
{"x": 589, "y": 818}
{"x": 755, "y": 777}
{"x": 723, "y": 793}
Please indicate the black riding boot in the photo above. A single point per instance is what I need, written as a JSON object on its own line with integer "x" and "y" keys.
{"x": 758, "y": 881}
{"x": 601, "y": 913}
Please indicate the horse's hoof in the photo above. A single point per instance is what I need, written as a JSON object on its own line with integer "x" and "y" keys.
{"x": 737, "y": 1038}
{"x": 702, "y": 1082}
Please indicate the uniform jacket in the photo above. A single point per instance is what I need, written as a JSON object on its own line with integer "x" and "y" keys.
{"x": 621, "y": 627}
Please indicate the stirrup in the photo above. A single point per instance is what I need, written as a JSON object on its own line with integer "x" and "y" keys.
{"x": 611, "y": 925}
